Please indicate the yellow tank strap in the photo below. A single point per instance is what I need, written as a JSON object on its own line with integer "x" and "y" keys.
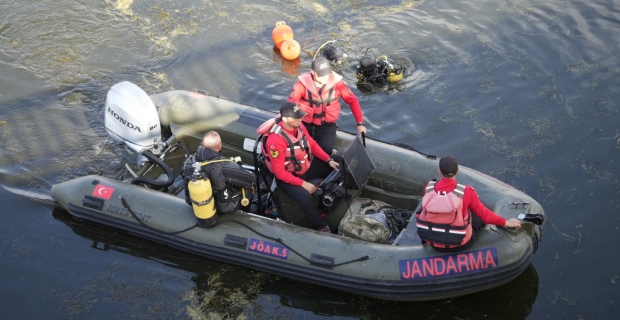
{"x": 215, "y": 161}
{"x": 202, "y": 203}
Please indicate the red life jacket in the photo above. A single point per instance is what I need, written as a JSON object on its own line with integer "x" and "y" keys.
{"x": 298, "y": 155}
{"x": 324, "y": 107}
{"x": 441, "y": 222}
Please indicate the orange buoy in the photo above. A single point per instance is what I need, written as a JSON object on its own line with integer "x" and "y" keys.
{"x": 290, "y": 49}
{"x": 281, "y": 33}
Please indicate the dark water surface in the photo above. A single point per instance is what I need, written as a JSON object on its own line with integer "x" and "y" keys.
{"x": 525, "y": 91}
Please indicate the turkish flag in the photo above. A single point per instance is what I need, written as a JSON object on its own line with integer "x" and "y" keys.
{"x": 103, "y": 192}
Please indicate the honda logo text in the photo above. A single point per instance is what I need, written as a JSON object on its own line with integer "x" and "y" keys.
{"x": 123, "y": 121}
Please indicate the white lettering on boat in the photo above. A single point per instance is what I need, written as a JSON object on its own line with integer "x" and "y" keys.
{"x": 125, "y": 213}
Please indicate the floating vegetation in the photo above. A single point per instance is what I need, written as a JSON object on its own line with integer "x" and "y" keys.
{"x": 124, "y": 6}
{"x": 547, "y": 186}
{"x": 74, "y": 98}
{"x": 231, "y": 293}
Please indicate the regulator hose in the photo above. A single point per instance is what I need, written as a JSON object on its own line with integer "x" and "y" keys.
{"x": 151, "y": 182}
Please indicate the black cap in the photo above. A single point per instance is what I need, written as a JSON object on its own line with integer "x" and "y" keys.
{"x": 321, "y": 66}
{"x": 448, "y": 166}
{"x": 292, "y": 110}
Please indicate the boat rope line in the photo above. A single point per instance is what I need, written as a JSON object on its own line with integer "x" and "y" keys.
{"x": 278, "y": 240}
{"x": 126, "y": 205}
{"x": 397, "y": 218}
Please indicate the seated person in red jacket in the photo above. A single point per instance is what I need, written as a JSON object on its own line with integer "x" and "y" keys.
{"x": 289, "y": 151}
{"x": 457, "y": 218}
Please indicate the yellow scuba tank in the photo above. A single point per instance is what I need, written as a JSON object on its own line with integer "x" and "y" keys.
{"x": 201, "y": 194}
{"x": 393, "y": 76}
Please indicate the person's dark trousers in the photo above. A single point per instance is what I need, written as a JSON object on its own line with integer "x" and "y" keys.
{"x": 476, "y": 226}
{"x": 324, "y": 135}
{"x": 304, "y": 198}
{"x": 319, "y": 169}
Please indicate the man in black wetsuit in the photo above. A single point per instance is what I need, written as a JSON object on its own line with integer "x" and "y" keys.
{"x": 229, "y": 180}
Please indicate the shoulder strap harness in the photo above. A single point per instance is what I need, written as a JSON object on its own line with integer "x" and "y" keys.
{"x": 443, "y": 233}
{"x": 303, "y": 143}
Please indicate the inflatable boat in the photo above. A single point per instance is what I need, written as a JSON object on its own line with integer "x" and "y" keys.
{"x": 158, "y": 132}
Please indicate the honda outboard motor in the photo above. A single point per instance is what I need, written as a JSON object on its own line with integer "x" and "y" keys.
{"x": 131, "y": 119}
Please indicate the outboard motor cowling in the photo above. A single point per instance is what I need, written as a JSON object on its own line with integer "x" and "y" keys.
{"x": 131, "y": 119}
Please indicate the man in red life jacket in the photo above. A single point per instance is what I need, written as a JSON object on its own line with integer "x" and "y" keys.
{"x": 289, "y": 150}
{"x": 317, "y": 94}
{"x": 440, "y": 232}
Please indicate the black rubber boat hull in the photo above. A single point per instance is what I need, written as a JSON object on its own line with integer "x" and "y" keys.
{"x": 379, "y": 276}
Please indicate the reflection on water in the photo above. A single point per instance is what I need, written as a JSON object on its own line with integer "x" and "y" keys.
{"x": 230, "y": 291}
{"x": 43, "y": 148}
